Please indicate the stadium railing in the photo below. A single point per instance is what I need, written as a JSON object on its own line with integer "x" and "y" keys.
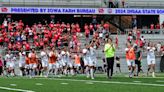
{"x": 147, "y": 31}
{"x": 146, "y": 3}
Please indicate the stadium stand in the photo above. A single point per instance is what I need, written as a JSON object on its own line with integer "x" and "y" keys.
{"x": 55, "y": 3}
{"x": 145, "y": 3}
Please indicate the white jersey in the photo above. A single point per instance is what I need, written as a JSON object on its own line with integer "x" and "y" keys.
{"x": 44, "y": 56}
{"x": 13, "y": 60}
{"x": 92, "y": 54}
{"x": 150, "y": 52}
{"x": 21, "y": 57}
{"x": 8, "y": 57}
{"x": 86, "y": 56}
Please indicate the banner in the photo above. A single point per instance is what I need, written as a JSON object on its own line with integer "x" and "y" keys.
{"x": 107, "y": 11}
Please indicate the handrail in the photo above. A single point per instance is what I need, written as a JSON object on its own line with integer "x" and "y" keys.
{"x": 146, "y": 3}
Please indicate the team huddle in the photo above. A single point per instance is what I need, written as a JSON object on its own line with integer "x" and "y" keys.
{"x": 52, "y": 61}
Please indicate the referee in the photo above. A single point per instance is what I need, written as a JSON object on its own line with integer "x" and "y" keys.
{"x": 109, "y": 50}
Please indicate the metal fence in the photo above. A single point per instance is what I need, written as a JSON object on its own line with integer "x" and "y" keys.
{"x": 146, "y": 3}
{"x": 148, "y": 31}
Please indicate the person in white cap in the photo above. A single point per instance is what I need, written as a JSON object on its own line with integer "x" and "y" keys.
{"x": 22, "y": 62}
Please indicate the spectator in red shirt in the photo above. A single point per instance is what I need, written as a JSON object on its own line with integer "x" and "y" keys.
{"x": 152, "y": 28}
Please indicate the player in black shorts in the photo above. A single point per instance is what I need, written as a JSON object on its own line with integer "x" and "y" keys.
{"x": 118, "y": 64}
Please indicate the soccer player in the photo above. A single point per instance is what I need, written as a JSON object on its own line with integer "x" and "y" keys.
{"x": 22, "y": 63}
{"x": 9, "y": 64}
{"x": 27, "y": 62}
{"x": 130, "y": 58}
{"x": 138, "y": 54}
{"x": 44, "y": 62}
{"x": 118, "y": 64}
{"x": 151, "y": 59}
{"x": 64, "y": 62}
{"x": 86, "y": 60}
{"x": 77, "y": 63}
{"x": 33, "y": 62}
{"x": 53, "y": 65}
{"x": 92, "y": 60}
{"x": 69, "y": 63}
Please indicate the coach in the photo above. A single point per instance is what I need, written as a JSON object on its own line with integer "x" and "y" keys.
{"x": 109, "y": 50}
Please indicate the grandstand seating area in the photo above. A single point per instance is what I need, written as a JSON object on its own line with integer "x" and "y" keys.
{"x": 55, "y": 3}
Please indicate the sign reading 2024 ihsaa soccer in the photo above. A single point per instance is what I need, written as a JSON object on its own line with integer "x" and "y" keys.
{"x": 50, "y": 10}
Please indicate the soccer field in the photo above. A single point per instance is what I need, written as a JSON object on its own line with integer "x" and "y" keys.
{"x": 82, "y": 84}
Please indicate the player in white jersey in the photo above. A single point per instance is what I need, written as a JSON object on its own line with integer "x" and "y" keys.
{"x": 13, "y": 60}
{"x": 151, "y": 59}
{"x": 44, "y": 61}
{"x": 59, "y": 62}
{"x": 22, "y": 62}
{"x": 92, "y": 60}
{"x": 9, "y": 64}
{"x": 69, "y": 63}
{"x": 64, "y": 62}
{"x": 86, "y": 60}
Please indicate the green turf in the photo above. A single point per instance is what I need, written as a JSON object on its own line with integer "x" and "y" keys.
{"x": 54, "y": 85}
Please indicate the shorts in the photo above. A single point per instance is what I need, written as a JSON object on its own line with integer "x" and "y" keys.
{"x": 22, "y": 64}
{"x": 137, "y": 62}
{"x": 44, "y": 64}
{"x": 117, "y": 65}
{"x": 51, "y": 65}
{"x": 70, "y": 65}
{"x": 150, "y": 61}
{"x": 63, "y": 63}
{"x": 86, "y": 63}
{"x": 92, "y": 63}
{"x": 32, "y": 66}
{"x": 27, "y": 66}
{"x": 130, "y": 62}
{"x": 77, "y": 65}
{"x": 10, "y": 65}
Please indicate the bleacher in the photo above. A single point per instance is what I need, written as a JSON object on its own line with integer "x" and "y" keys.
{"x": 55, "y": 3}
{"x": 145, "y": 3}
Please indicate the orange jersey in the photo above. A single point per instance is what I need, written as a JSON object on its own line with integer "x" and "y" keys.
{"x": 130, "y": 55}
{"x": 52, "y": 58}
{"x": 33, "y": 58}
{"x": 27, "y": 60}
{"x": 77, "y": 59}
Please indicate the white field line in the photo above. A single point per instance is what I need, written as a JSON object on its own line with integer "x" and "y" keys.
{"x": 160, "y": 81}
{"x": 111, "y": 82}
{"x": 13, "y": 89}
{"x": 64, "y": 83}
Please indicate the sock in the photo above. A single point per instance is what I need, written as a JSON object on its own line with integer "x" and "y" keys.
{"x": 56, "y": 71}
{"x": 65, "y": 71}
{"x": 91, "y": 72}
{"x": 87, "y": 71}
{"x": 21, "y": 74}
{"x": 72, "y": 73}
